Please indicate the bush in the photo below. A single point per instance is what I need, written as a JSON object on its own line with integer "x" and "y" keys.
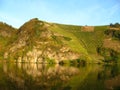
{"x": 116, "y": 25}
{"x": 67, "y": 38}
{"x": 108, "y": 54}
{"x": 50, "y": 61}
{"x": 113, "y": 33}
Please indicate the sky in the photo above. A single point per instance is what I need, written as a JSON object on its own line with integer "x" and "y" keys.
{"x": 76, "y": 12}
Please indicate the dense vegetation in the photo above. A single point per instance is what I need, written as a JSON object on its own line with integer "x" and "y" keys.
{"x": 110, "y": 49}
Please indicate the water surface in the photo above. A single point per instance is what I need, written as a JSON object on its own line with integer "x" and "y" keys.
{"x": 31, "y": 76}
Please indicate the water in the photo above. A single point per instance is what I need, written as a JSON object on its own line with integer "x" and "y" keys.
{"x": 31, "y": 76}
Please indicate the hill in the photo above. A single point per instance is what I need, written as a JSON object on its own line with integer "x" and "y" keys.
{"x": 42, "y": 42}
{"x": 7, "y": 34}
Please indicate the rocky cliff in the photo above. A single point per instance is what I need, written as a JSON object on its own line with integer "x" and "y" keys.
{"x": 36, "y": 43}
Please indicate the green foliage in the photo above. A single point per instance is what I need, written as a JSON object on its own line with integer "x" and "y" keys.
{"x": 117, "y": 34}
{"x": 1, "y": 55}
{"x": 73, "y": 62}
{"x": 77, "y": 62}
{"x": 108, "y": 54}
{"x": 67, "y": 38}
{"x": 57, "y": 39}
{"x": 50, "y": 61}
{"x": 116, "y": 25}
{"x": 113, "y": 33}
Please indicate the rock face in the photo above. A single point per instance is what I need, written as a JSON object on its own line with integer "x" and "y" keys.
{"x": 35, "y": 43}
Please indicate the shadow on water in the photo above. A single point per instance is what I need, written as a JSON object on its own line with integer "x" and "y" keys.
{"x": 31, "y": 76}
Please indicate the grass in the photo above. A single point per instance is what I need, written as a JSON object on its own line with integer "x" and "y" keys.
{"x": 73, "y": 42}
{"x": 88, "y": 41}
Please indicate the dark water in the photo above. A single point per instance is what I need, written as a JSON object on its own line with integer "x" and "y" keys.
{"x": 30, "y": 76}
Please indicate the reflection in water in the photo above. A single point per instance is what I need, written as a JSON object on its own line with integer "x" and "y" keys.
{"x": 31, "y": 76}
{"x": 38, "y": 76}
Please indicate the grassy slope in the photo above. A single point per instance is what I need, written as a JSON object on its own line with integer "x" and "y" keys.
{"x": 74, "y": 43}
{"x": 89, "y": 40}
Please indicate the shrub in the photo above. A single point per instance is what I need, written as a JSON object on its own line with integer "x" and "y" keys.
{"x": 108, "y": 54}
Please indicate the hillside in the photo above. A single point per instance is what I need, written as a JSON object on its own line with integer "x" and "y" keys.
{"x": 43, "y": 42}
{"x": 7, "y": 34}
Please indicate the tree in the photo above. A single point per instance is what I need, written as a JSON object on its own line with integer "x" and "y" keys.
{"x": 111, "y": 25}
{"x": 117, "y": 25}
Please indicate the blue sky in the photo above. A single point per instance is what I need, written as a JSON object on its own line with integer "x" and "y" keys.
{"x": 77, "y": 12}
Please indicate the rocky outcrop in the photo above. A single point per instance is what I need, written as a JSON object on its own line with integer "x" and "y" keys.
{"x": 35, "y": 43}
{"x": 40, "y": 56}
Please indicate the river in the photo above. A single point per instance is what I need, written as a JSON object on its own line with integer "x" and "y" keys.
{"x": 31, "y": 76}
